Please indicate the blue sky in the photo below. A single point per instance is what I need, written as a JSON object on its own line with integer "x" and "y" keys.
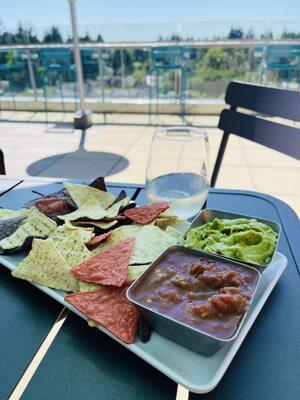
{"x": 147, "y": 17}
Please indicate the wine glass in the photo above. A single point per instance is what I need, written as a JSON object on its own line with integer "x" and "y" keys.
{"x": 177, "y": 169}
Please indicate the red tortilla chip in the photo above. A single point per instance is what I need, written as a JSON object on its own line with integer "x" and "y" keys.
{"x": 50, "y": 205}
{"x": 146, "y": 214}
{"x": 109, "y": 307}
{"x": 108, "y": 267}
{"x": 97, "y": 240}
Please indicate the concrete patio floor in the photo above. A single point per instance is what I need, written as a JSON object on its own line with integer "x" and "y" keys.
{"x": 117, "y": 147}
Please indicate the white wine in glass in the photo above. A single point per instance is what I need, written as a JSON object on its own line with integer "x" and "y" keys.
{"x": 177, "y": 169}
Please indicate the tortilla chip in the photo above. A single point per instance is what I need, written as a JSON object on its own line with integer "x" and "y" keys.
{"x": 113, "y": 211}
{"x": 62, "y": 232}
{"x": 90, "y": 208}
{"x": 9, "y": 225}
{"x": 164, "y": 220}
{"x": 134, "y": 271}
{"x": 80, "y": 194}
{"x": 35, "y": 225}
{"x": 175, "y": 233}
{"x": 150, "y": 242}
{"x": 63, "y": 194}
{"x": 118, "y": 235}
{"x": 73, "y": 249}
{"x": 110, "y": 308}
{"x": 99, "y": 183}
{"x": 146, "y": 214}
{"x": 108, "y": 267}
{"x": 5, "y": 213}
{"x": 44, "y": 265}
{"x": 52, "y": 206}
{"x": 97, "y": 240}
{"x": 87, "y": 286}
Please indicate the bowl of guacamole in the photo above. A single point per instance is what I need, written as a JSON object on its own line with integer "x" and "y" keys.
{"x": 246, "y": 239}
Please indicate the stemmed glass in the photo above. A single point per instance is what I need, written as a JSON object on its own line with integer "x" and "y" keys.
{"x": 177, "y": 169}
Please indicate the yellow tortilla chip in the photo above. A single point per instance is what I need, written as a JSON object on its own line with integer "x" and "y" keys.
{"x": 91, "y": 202}
{"x": 134, "y": 271}
{"x": 72, "y": 249}
{"x": 90, "y": 208}
{"x": 171, "y": 231}
{"x": 80, "y": 193}
{"x": 118, "y": 235}
{"x": 164, "y": 220}
{"x": 35, "y": 225}
{"x": 64, "y": 231}
{"x": 113, "y": 211}
{"x": 44, "y": 265}
{"x": 150, "y": 242}
{"x": 5, "y": 213}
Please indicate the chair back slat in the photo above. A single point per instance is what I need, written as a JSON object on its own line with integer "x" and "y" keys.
{"x": 283, "y": 138}
{"x": 266, "y": 100}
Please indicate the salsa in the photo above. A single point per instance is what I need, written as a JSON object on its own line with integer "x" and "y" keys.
{"x": 208, "y": 295}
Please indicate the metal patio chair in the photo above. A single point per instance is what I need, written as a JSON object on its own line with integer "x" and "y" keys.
{"x": 269, "y": 102}
{"x": 281, "y": 58}
{"x": 57, "y": 65}
{"x": 163, "y": 59}
{"x": 12, "y": 72}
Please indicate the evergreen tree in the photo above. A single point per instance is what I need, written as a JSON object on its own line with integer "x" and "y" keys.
{"x": 235, "y": 33}
{"x": 53, "y": 36}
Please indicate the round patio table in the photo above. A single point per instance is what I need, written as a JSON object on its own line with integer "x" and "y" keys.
{"x": 84, "y": 363}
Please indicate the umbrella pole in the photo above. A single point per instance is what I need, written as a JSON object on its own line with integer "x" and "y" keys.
{"x": 82, "y": 119}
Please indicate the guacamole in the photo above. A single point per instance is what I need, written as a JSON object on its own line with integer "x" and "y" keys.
{"x": 244, "y": 239}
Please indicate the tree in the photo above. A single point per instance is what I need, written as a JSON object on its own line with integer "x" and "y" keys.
{"x": 53, "y": 36}
{"x": 250, "y": 35}
{"x": 99, "y": 38}
{"x": 86, "y": 38}
{"x": 290, "y": 35}
{"x": 267, "y": 35}
{"x": 235, "y": 33}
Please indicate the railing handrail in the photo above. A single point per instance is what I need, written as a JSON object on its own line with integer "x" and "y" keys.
{"x": 137, "y": 45}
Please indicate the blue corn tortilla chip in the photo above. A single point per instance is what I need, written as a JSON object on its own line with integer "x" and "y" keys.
{"x": 99, "y": 183}
{"x": 36, "y": 225}
{"x": 9, "y": 226}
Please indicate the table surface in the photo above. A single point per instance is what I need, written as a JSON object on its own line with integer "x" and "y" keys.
{"x": 85, "y": 363}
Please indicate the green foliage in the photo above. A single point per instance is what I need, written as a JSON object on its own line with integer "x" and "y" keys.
{"x": 139, "y": 71}
{"x": 53, "y": 36}
{"x": 235, "y": 33}
{"x": 290, "y": 35}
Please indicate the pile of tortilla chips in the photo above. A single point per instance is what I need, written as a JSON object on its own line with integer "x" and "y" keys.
{"x": 86, "y": 241}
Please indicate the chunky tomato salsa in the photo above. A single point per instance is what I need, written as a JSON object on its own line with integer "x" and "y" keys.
{"x": 210, "y": 296}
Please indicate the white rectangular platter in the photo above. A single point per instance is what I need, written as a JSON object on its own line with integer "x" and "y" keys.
{"x": 197, "y": 373}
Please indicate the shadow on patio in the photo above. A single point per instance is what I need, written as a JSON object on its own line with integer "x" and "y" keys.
{"x": 78, "y": 164}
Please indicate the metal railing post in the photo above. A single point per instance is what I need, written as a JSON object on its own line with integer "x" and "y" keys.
{"x": 31, "y": 74}
{"x": 101, "y": 73}
{"x": 82, "y": 117}
{"x": 122, "y": 67}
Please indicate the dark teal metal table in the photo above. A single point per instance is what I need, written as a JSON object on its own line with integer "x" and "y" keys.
{"x": 83, "y": 363}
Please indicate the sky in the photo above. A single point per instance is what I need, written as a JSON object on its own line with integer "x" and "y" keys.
{"x": 142, "y": 19}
